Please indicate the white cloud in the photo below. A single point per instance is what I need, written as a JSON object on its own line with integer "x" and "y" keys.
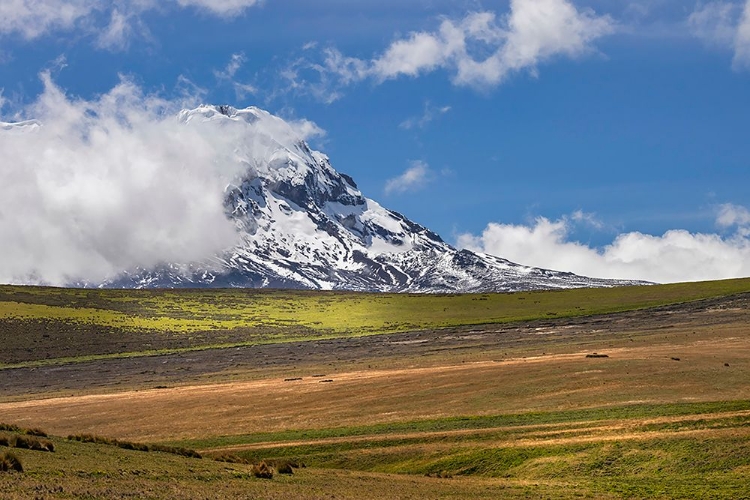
{"x": 32, "y": 19}
{"x": 241, "y": 89}
{"x": 97, "y": 187}
{"x": 414, "y": 177}
{"x": 734, "y": 216}
{"x": 306, "y": 129}
{"x": 715, "y": 23}
{"x": 429, "y": 114}
{"x": 725, "y": 24}
{"x": 742, "y": 40}
{"x": 122, "y": 27}
{"x": 479, "y": 50}
{"x": 675, "y": 256}
{"x": 220, "y": 7}
{"x": 542, "y": 29}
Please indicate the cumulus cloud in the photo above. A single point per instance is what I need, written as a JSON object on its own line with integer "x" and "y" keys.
{"x": 96, "y": 187}
{"x": 675, "y": 256}
{"x": 480, "y": 50}
{"x": 112, "y": 23}
{"x": 430, "y": 113}
{"x": 413, "y": 178}
{"x": 724, "y": 24}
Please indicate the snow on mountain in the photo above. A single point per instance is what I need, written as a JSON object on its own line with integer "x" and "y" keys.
{"x": 305, "y": 225}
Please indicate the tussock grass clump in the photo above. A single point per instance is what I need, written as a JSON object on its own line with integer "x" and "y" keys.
{"x": 10, "y": 462}
{"x": 130, "y": 445}
{"x": 440, "y": 475}
{"x": 176, "y": 450}
{"x": 21, "y": 430}
{"x": 262, "y": 471}
{"x": 35, "y": 432}
{"x": 27, "y": 442}
{"x": 231, "y": 459}
{"x": 284, "y": 468}
{"x": 10, "y": 428}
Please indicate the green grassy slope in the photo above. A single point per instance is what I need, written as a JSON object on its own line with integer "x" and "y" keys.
{"x": 97, "y": 324}
{"x": 196, "y": 310}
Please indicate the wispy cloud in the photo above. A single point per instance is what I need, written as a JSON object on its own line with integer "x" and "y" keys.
{"x": 677, "y": 255}
{"x": 227, "y": 75}
{"x": 724, "y": 24}
{"x": 415, "y": 177}
{"x": 225, "y": 8}
{"x": 480, "y": 50}
{"x": 33, "y": 18}
{"x": 112, "y": 24}
{"x": 715, "y": 22}
{"x": 306, "y": 129}
{"x": 742, "y": 40}
{"x": 430, "y": 113}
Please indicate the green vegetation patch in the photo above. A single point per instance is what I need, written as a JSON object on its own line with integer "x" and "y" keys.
{"x": 641, "y": 459}
{"x": 58, "y": 326}
{"x": 572, "y": 417}
{"x": 355, "y": 313}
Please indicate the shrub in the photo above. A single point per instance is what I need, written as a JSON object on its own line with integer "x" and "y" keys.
{"x": 35, "y": 432}
{"x": 129, "y": 445}
{"x": 175, "y": 450}
{"x": 27, "y": 443}
{"x": 31, "y": 432}
{"x": 284, "y": 468}
{"x": 23, "y": 442}
{"x": 262, "y": 471}
{"x": 9, "y": 462}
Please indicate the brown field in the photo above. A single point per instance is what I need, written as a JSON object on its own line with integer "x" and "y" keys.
{"x": 375, "y": 414}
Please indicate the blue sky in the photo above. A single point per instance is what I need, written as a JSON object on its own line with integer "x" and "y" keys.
{"x": 576, "y": 135}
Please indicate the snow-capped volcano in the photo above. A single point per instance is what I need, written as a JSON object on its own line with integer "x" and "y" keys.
{"x": 302, "y": 224}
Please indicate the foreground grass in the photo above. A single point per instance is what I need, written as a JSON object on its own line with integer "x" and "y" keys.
{"x": 640, "y": 451}
{"x": 83, "y": 470}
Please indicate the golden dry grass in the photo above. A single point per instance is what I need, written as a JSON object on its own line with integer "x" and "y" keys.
{"x": 643, "y": 373}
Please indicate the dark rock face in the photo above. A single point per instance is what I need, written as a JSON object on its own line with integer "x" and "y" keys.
{"x": 304, "y": 225}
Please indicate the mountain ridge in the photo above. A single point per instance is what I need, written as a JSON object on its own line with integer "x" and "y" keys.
{"x": 302, "y": 224}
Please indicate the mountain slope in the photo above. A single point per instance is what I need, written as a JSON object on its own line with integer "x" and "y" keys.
{"x": 302, "y": 224}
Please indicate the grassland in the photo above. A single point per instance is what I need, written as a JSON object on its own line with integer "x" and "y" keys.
{"x": 48, "y": 325}
{"x": 484, "y": 396}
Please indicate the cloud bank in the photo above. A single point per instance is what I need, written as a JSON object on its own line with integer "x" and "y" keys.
{"x": 480, "y": 50}
{"x": 97, "y": 187}
{"x": 675, "y": 256}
